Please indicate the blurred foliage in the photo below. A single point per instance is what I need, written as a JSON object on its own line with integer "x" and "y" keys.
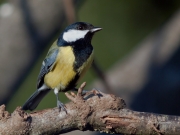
{"x": 124, "y": 23}
{"x": 2, "y": 1}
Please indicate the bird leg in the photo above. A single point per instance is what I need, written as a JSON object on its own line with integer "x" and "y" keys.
{"x": 60, "y": 105}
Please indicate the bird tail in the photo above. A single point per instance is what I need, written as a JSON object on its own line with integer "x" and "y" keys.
{"x": 34, "y": 99}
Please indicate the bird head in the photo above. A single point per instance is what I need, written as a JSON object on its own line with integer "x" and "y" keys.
{"x": 79, "y": 32}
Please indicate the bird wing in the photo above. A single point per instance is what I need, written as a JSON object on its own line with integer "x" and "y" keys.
{"x": 47, "y": 65}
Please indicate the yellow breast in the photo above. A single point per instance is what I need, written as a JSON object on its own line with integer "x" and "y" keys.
{"x": 62, "y": 72}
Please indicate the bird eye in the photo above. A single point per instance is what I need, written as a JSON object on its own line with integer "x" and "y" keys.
{"x": 80, "y": 28}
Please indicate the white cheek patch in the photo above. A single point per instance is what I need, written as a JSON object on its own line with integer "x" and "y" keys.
{"x": 73, "y": 35}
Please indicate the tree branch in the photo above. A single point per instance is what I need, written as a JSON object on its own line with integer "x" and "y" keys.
{"x": 94, "y": 111}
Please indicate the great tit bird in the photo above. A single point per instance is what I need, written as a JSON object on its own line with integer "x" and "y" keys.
{"x": 66, "y": 62}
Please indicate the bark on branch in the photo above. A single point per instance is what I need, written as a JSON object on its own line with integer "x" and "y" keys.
{"x": 94, "y": 111}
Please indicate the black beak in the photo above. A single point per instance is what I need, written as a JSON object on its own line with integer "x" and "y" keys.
{"x": 95, "y": 29}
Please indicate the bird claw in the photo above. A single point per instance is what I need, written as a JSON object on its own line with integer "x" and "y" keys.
{"x": 93, "y": 91}
{"x": 61, "y": 106}
{"x": 96, "y": 92}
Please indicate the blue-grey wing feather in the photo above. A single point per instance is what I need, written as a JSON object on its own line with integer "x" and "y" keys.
{"x": 47, "y": 66}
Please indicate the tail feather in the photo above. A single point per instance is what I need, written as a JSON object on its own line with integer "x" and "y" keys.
{"x": 34, "y": 99}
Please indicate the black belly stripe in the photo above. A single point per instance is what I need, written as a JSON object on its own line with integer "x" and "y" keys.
{"x": 81, "y": 53}
{"x": 72, "y": 84}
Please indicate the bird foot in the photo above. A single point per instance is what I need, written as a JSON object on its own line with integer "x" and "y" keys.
{"x": 96, "y": 92}
{"x": 61, "y": 106}
{"x": 93, "y": 91}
